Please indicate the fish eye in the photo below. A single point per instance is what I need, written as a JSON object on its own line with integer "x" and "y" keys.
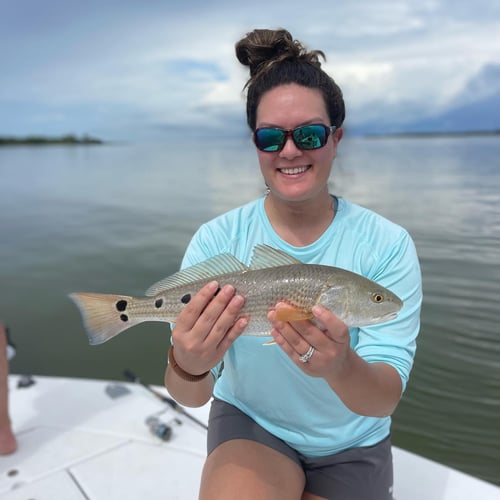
{"x": 377, "y": 298}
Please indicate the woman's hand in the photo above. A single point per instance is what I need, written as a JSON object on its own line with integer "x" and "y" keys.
{"x": 370, "y": 389}
{"x": 329, "y": 344}
{"x": 207, "y": 327}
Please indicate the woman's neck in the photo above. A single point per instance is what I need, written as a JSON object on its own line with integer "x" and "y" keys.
{"x": 300, "y": 223}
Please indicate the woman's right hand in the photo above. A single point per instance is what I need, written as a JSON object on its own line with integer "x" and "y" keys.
{"x": 207, "y": 327}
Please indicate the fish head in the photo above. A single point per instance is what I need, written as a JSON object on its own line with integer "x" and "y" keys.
{"x": 359, "y": 301}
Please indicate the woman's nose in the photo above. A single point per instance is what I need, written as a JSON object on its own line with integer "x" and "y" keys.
{"x": 290, "y": 150}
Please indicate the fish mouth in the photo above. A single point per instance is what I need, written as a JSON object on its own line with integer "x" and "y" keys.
{"x": 381, "y": 319}
{"x": 294, "y": 170}
{"x": 389, "y": 316}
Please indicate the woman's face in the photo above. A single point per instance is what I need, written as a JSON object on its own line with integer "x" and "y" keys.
{"x": 293, "y": 174}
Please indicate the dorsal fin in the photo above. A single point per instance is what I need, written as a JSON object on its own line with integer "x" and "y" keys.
{"x": 224, "y": 263}
{"x": 265, "y": 256}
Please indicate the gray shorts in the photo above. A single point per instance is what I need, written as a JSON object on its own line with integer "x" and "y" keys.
{"x": 363, "y": 473}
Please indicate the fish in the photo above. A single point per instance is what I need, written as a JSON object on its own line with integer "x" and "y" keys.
{"x": 273, "y": 278}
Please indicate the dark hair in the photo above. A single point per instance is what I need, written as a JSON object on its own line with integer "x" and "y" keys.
{"x": 274, "y": 59}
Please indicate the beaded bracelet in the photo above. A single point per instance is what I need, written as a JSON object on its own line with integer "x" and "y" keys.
{"x": 184, "y": 375}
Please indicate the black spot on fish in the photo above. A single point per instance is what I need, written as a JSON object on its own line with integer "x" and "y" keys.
{"x": 186, "y": 298}
{"x": 158, "y": 303}
{"x": 124, "y": 317}
{"x": 121, "y": 305}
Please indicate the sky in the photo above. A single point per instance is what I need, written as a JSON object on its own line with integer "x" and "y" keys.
{"x": 150, "y": 70}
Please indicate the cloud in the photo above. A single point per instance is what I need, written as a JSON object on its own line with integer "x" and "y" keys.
{"x": 123, "y": 66}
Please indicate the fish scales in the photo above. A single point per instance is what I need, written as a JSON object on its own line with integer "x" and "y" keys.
{"x": 262, "y": 290}
{"x": 297, "y": 285}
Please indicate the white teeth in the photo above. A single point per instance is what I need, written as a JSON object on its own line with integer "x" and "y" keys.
{"x": 293, "y": 171}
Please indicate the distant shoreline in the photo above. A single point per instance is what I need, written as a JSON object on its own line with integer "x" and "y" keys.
{"x": 404, "y": 135}
{"x": 35, "y": 140}
{"x": 86, "y": 140}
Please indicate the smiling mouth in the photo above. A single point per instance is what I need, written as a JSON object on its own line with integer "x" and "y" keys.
{"x": 294, "y": 171}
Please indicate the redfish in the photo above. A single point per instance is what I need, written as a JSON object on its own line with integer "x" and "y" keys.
{"x": 273, "y": 277}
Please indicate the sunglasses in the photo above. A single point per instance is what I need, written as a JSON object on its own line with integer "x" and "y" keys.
{"x": 307, "y": 137}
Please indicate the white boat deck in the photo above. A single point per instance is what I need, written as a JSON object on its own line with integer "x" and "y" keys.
{"x": 79, "y": 440}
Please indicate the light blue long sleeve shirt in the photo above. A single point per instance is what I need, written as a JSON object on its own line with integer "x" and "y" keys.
{"x": 262, "y": 381}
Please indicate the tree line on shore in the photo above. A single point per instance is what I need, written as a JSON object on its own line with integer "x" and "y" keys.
{"x": 38, "y": 139}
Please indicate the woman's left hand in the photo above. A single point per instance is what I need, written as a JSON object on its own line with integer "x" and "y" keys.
{"x": 323, "y": 350}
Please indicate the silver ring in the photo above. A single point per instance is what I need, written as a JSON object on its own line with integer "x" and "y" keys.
{"x": 308, "y": 355}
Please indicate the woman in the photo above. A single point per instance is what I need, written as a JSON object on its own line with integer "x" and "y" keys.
{"x": 308, "y": 418}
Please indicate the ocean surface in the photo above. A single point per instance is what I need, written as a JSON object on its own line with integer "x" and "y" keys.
{"x": 117, "y": 218}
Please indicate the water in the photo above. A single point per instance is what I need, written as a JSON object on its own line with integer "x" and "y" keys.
{"x": 117, "y": 218}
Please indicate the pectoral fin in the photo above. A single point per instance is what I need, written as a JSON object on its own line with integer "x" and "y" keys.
{"x": 290, "y": 313}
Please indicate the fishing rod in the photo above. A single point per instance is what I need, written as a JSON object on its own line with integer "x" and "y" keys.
{"x": 130, "y": 375}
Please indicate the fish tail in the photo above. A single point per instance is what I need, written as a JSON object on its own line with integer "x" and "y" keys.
{"x": 102, "y": 316}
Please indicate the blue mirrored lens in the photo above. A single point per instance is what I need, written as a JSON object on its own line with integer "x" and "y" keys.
{"x": 270, "y": 139}
{"x": 310, "y": 137}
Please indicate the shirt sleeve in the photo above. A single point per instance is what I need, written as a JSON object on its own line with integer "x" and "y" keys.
{"x": 394, "y": 342}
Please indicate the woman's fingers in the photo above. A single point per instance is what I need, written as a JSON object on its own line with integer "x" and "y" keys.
{"x": 196, "y": 305}
{"x": 333, "y": 327}
{"x": 315, "y": 346}
{"x": 207, "y": 327}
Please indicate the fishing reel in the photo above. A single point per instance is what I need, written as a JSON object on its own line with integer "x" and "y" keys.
{"x": 160, "y": 429}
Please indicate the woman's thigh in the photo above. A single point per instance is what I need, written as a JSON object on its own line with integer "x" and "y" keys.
{"x": 246, "y": 469}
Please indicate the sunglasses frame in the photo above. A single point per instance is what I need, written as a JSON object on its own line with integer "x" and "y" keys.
{"x": 329, "y": 130}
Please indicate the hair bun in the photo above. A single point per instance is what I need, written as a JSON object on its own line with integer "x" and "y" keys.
{"x": 263, "y": 47}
